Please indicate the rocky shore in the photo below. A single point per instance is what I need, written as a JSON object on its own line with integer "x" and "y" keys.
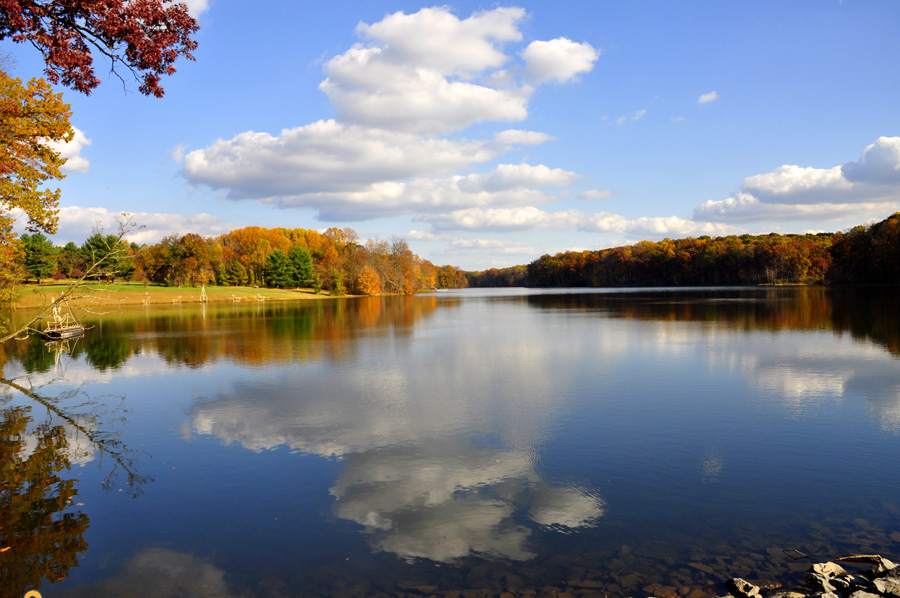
{"x": 831, "y": 580}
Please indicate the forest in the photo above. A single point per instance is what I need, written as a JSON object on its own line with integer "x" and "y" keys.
{"x": 862, "y": 255}
{"x": 252, "y": 256}
{"x": 335, "y": 260}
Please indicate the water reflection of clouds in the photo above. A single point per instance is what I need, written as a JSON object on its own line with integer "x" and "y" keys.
{"x": 803, "y": 370}
{"x": 79, "y": 449}
{"x": 417, "y": 488}
{"x": 163, "y": 573}
{"x": 446, "y": 500}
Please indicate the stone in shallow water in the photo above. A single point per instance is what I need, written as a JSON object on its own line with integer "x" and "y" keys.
{"x": 889, "y": 582}
{"x": 826, "y": 577}
{"x": 741, "y": 588}
{"x": 701, "y": 567}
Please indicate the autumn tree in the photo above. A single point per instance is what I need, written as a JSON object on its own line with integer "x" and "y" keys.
{"x": 31, "y": 116}
{"x": 70, "y": 261}
{"x": 145, "y": 37}
{"x": 368, "y": 283}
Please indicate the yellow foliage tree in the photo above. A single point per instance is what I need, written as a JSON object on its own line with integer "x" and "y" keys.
{"x": 368, "y": 283}
{"x": 31, "y": 117}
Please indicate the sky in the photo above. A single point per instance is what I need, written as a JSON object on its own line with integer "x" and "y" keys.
{"x": 487, "y": 135}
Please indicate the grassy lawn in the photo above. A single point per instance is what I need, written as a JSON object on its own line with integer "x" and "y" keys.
{"x": 33, "y": 295}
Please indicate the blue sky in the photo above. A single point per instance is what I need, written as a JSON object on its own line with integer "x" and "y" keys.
{"x": 490, "y": 134}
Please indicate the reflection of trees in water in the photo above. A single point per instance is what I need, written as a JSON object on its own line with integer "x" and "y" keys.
{"x": 41, "y": 535}
{"x": 868, "y": 314}
{"x": 250, "y": 334}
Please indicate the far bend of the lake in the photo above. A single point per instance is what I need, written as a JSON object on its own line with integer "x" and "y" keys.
{"x": 463, "y": 443}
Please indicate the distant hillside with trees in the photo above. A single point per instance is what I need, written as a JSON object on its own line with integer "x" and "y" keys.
{"x": 862, "y": 255}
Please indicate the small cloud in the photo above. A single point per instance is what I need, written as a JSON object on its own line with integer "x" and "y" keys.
{"x": 677, "y": 119}
{"x": 560, "y": 59}
{"x": 595, "y": 194}
{"x": 177, "y": 153}
{"x": 708, "y": 97}
{"x": 197, "y": 7}
{"x": 630, "y": 118}
{"x": 71, "y": 151}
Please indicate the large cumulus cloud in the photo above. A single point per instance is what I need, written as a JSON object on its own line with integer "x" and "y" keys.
{"x": 867, "y": 187}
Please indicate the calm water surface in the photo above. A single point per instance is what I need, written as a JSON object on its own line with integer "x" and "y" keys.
{"x": 597, "y": 442}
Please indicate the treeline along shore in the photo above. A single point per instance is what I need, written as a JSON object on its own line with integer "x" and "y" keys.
{"x": 862, "y": 255}
{"x": 333, "y": 261}
{"x": 336, "y": 262}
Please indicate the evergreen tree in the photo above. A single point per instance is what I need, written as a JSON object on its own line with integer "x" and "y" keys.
{"x": 40, "y": 256}
{"x": 279, "y": 272}
{"x": 302, "y": 265}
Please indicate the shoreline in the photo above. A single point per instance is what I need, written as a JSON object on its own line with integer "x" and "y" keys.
{"x": 35, "y": 296}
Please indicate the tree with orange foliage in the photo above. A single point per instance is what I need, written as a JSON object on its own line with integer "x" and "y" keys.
{"x": 368, "y": 283}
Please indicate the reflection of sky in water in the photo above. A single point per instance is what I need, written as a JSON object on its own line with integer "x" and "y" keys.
{"x": 442, "y": 433}
{"x": 489, "y": 427}
{"x": 406, "y": 419}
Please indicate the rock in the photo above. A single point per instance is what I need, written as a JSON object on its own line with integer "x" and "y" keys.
{"x": 586, "y": 583}
{"x": 863, "y": 594}
{"x": 786, "y": 594}
{"x": 823, "y": 577}
{"x": 701, "y": 567}
{"x": 882, "y": 565}
{"x": 741, "y": 588}
{"x": 889, "y": 582}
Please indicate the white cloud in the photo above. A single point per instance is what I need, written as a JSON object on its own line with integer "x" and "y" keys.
{"x": 867, "y": 188}
{"x": 326, "y": 156}
{"x": 669, "y": 226}
{"x": 197, "y": 7}
{"x": 708, "y": 97}
{"x": 795, "y": 184}
{"x": 411, "y": 99}
{"x": 595, "y": 194}
{"x": 506, "y": 219}
{"x": 520, "y": 137}
{"x": 630, "y": 118}
{"x": 517, "y": 176}
{"x": 410, "y": 81}
{"x": 416, "y": 73}
{"x": 495, "y": 246}
{"x": 878, "y": 164}
{"x": 532, "y": 218}
{"x": 176, "y": 154}
{"x": 71, "y": 151}
{"x": 746, "y": 208}
{"x": 558, "y": 59}
{"x": 77, "y": 223}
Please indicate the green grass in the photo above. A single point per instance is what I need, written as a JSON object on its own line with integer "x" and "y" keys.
{"x": 131, "y": 293}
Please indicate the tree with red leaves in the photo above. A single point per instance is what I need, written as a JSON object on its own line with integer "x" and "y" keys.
{"x": 144, "y": 36}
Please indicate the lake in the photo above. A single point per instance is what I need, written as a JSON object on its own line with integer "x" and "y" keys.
{"x": 462, "y": 443}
